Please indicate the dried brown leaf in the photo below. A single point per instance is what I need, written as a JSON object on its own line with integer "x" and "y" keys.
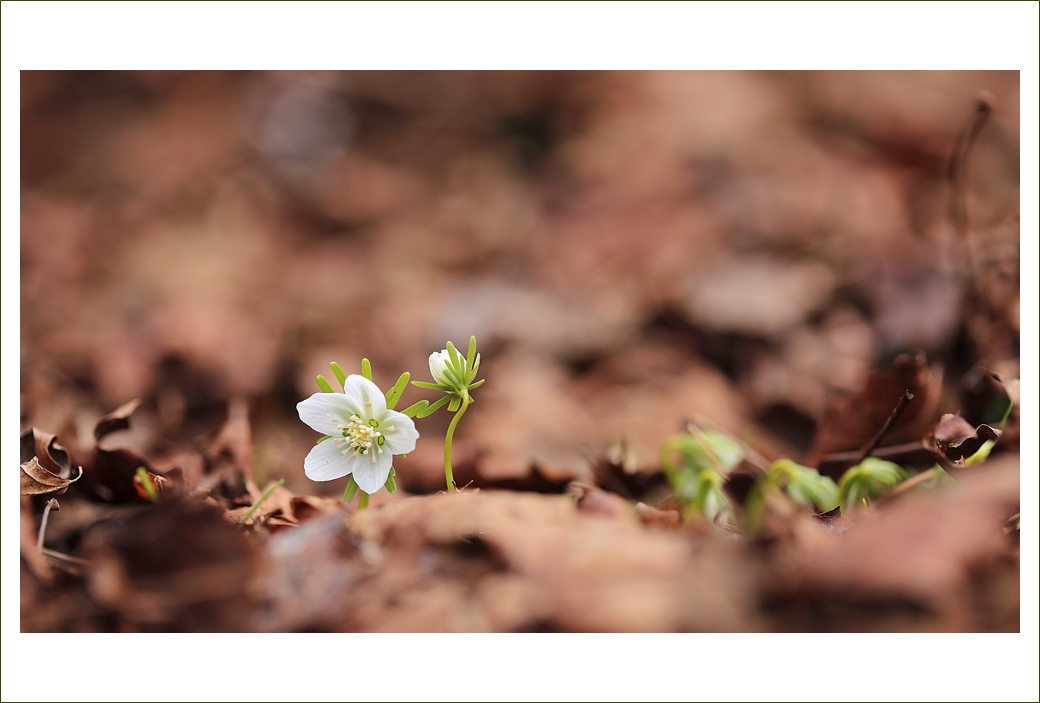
{"x": 957, "y": 439}
{"x": 851, "y": 421}
{"x": 118, "y": 419}
{"x": 46, "y": 465}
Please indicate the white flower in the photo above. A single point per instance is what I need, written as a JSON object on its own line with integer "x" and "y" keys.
{"x": 439, "y": 367}
{"x": 363, "y": 434}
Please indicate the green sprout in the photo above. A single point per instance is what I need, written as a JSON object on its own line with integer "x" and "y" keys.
{"x": 869, "y": 480}
{"x": 260, "y": 501}
{"x": 803, "y": 485}
{"x": 696, "y": 465}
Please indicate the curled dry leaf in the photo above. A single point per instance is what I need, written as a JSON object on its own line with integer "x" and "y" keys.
{"x": 118, "y": 419}
{"x": 111, "y": 474}
{"x": 46, "y": 466}
{"x": 957, "y": 439}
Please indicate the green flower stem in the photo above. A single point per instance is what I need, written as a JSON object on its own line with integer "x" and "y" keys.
{"x": 448, "y": 477}
{"x": 362, "y": 501}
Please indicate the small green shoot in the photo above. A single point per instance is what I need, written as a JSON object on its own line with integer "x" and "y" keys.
{"x": 260, "y": 501}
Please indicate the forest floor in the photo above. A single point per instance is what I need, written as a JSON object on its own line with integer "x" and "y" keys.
{"x": 775, "y": 259}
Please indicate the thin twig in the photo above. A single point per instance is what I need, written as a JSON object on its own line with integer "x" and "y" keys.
{"x": 870, "y": 446}
{"x": 909, "y": 484}
{"x": 958, "y": 212}
{"x": 52, "y": 504}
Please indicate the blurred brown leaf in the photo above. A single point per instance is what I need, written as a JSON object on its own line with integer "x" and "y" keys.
{"x": 851, "y": 420}
{"x": 178, "y": 563}
{"x": 909, "y": 564}
{"x": 118, "y": 419}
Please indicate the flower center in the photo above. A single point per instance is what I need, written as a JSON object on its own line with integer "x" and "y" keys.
{"x": 360, "y": 437}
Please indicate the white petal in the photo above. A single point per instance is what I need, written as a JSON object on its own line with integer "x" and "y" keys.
{"x": 401, "y": 439}
{"x": 366, "y": 396}
{"x": 371, "y": 475}
{"x": 326, "y": 462}
{"x": 439, "y": 366}
{"x": 316, "y": 411}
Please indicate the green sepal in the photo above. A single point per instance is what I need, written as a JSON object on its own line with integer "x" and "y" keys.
{"x": 431, "y": 386}
{"x": 351, "y": 490}
{"x": 341, "y": 376}
{"x": 323, "y": 439}
{"x": 393, "y": 471}
{"x": 474, "y": 367}
{"x": 390, "y": 485}
{"x": 471, "y": 352}
{"x": 435, "y": 406}
{"x": 478, "y": 383}
{"x": 455, "y": 367}
{"x": 453, "y": 354}
{"x": 457, "y": 376}
{"x": 366, "y": 369}
{"x": 416, "y": 408}
{"x": 454, "y": 404}
{"x": 394, "y": 394}
{"x": 324, "y": 385}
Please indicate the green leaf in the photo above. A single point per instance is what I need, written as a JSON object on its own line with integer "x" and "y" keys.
{"x": 366, "y": 369}
{"x": 351, "y": 490}
{"x": 341, "y": 376}
{"x": 416, "y": 408}
{"x": 394, "y": 394}
{"x": 435, "y": 406}
{"x": 324, "y": 385}
{"x": 431, "y": 386}
{"x": 390, "y": 485}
